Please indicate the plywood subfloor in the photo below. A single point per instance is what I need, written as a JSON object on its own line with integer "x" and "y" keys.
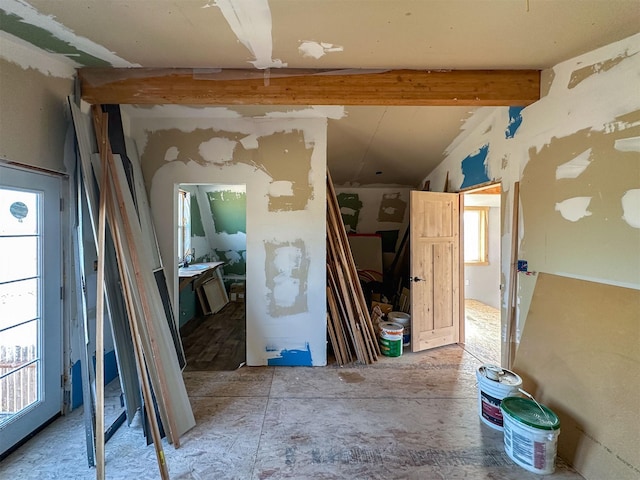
{"x": 412, "y": 417}
{"x": 482, "y": 331}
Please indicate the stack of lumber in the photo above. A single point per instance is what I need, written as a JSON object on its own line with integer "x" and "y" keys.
{"x": 350, "y": 328}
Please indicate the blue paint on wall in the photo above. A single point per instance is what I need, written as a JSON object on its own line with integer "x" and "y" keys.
{"x": 76, "y": 385}
{"x": 291, "y": 358}
{"x": 515, "y": 119}
{"x": 110, "y": 373}
{"x": 474, "y": 168}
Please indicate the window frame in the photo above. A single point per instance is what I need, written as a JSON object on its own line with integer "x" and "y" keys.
{"x": 482, "y": 236}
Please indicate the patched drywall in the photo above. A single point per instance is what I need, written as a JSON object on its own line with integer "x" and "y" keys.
{"x": 287, "y": 268}
{"x": 289, "y": 185}
{"x": 44, "y": 32}
{"x": 384, "y": 211}
{"x": 282, "y": 162}
{"x": 577, "y": 158}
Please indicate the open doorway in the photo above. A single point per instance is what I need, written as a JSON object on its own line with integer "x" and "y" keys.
{"x": 211, "y": 255}
{"x": 481, "y": 255}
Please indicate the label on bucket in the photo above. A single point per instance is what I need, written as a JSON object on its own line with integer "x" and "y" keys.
{"x": 491, "y": 409}
{"x": 525, "y": 450}
{"x": 391, "y": 348}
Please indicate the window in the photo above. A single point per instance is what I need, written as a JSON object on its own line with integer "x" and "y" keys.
{"x": 184, "y": 225}
{"x": 476, "y": 220}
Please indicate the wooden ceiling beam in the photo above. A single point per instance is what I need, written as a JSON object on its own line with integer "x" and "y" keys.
{"x": 153, "y": 86}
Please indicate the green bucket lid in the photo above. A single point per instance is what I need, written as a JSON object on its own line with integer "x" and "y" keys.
{"x": 530, "y": 413}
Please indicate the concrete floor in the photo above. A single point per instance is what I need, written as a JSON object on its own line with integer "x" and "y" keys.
{"x": 409, "y": 417}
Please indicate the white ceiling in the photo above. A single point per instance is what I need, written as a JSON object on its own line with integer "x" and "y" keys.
{"x": 404, "y": 143}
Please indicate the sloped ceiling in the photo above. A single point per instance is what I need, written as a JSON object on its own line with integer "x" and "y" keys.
{"x": 403, "y": 143}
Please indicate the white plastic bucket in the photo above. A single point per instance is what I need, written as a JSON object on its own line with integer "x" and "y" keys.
{"x": 403, "y": 319}
{"x": 391, "y": 339}
{"x": 530, "y": 434}
{"x": 492, "y": 391}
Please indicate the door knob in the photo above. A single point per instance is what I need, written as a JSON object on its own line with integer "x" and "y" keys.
{"x": 416, "y": 279}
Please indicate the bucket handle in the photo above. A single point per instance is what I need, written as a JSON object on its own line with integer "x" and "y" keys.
{"x": 544, "y": 412}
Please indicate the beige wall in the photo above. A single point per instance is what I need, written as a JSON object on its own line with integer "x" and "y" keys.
{"x": 282, "y": 162}
{"x": 34, "y": 117}
{"x": 576, "y": 155}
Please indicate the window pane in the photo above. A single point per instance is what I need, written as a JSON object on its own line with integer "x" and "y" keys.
{"x": 18, "y": 212}
{"x": 472, "y": 236}
{"x": 18, "y": 258}
{"x": 18, "y": 302}
{"x": 18, "y": 345}
{"x": 18, "y": 377}
{"x": 18, "y": 390}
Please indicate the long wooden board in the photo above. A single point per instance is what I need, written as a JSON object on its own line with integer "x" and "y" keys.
{"x": 187, "y": 86}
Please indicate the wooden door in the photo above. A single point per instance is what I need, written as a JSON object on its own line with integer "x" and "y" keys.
{"x": 436, "y": 303}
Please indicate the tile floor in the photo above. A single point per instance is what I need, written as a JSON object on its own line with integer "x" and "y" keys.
{"x": 409, "y": 417}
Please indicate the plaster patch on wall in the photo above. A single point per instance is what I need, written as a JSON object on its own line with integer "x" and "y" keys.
{"x": 573, "y": 168}
{"x": 284, "y": 156}
{"x": 309, "y": 48}
{"x": 350, "y": 206}
{"x": 289, "y": 357}
{"x": 235, "y": 261}
{"x": 474, "y": 168}
{"x": 291, "y": 164}
{"x": 334, "y": 112}
{"x": 250, "y": 20}
{"x": 554, "y": 243}
{"x": 178, "y": 111}
{"x": 218, "y": 150}
{"x": 43, "y": 31}
{"x": 631, "y": 207}
{"x": 631, "y": 144}
{"x": 392, "y": 208}
{"x": 171, "y": 154}
{"x": 280, "y": 189}
{"x": 515, "y": 119}
{"x": 287, "y": 269}
{"x": 583, "y": 73}
{"x": 250, "y": 142}
{"x": 573, "y": 209}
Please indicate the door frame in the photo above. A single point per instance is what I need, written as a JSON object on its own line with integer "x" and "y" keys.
{"x": 52, "y": 310}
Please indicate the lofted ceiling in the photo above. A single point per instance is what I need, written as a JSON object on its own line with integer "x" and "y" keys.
{"x": 368, "y": 144}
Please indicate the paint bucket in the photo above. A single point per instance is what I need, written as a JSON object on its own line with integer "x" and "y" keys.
{"x": 494, "y": 384}
{"x": 530, "y": 434}
{"x": 391, "y": 339}
{"x": 403, "y": 319}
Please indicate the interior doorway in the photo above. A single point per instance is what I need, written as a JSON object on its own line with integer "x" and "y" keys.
{"x": 211, "y": 256}
{"x": 482, "y": 259}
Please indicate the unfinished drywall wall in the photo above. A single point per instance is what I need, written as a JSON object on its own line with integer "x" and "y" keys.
{"x": 34, "y": 118}
{"x": 376, "y": 210}
{"x": 282, "y": 162}
{"x": 576, "y": 153}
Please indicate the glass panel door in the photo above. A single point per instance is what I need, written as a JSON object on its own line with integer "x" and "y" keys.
{"x": 30, "y": 305}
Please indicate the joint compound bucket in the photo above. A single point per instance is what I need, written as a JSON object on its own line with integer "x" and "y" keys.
{"x": 403, "y": 319}
{"x": 391, "y": 339}
{"x": 530, "y": 434}
{"x": 494, "y": 384}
